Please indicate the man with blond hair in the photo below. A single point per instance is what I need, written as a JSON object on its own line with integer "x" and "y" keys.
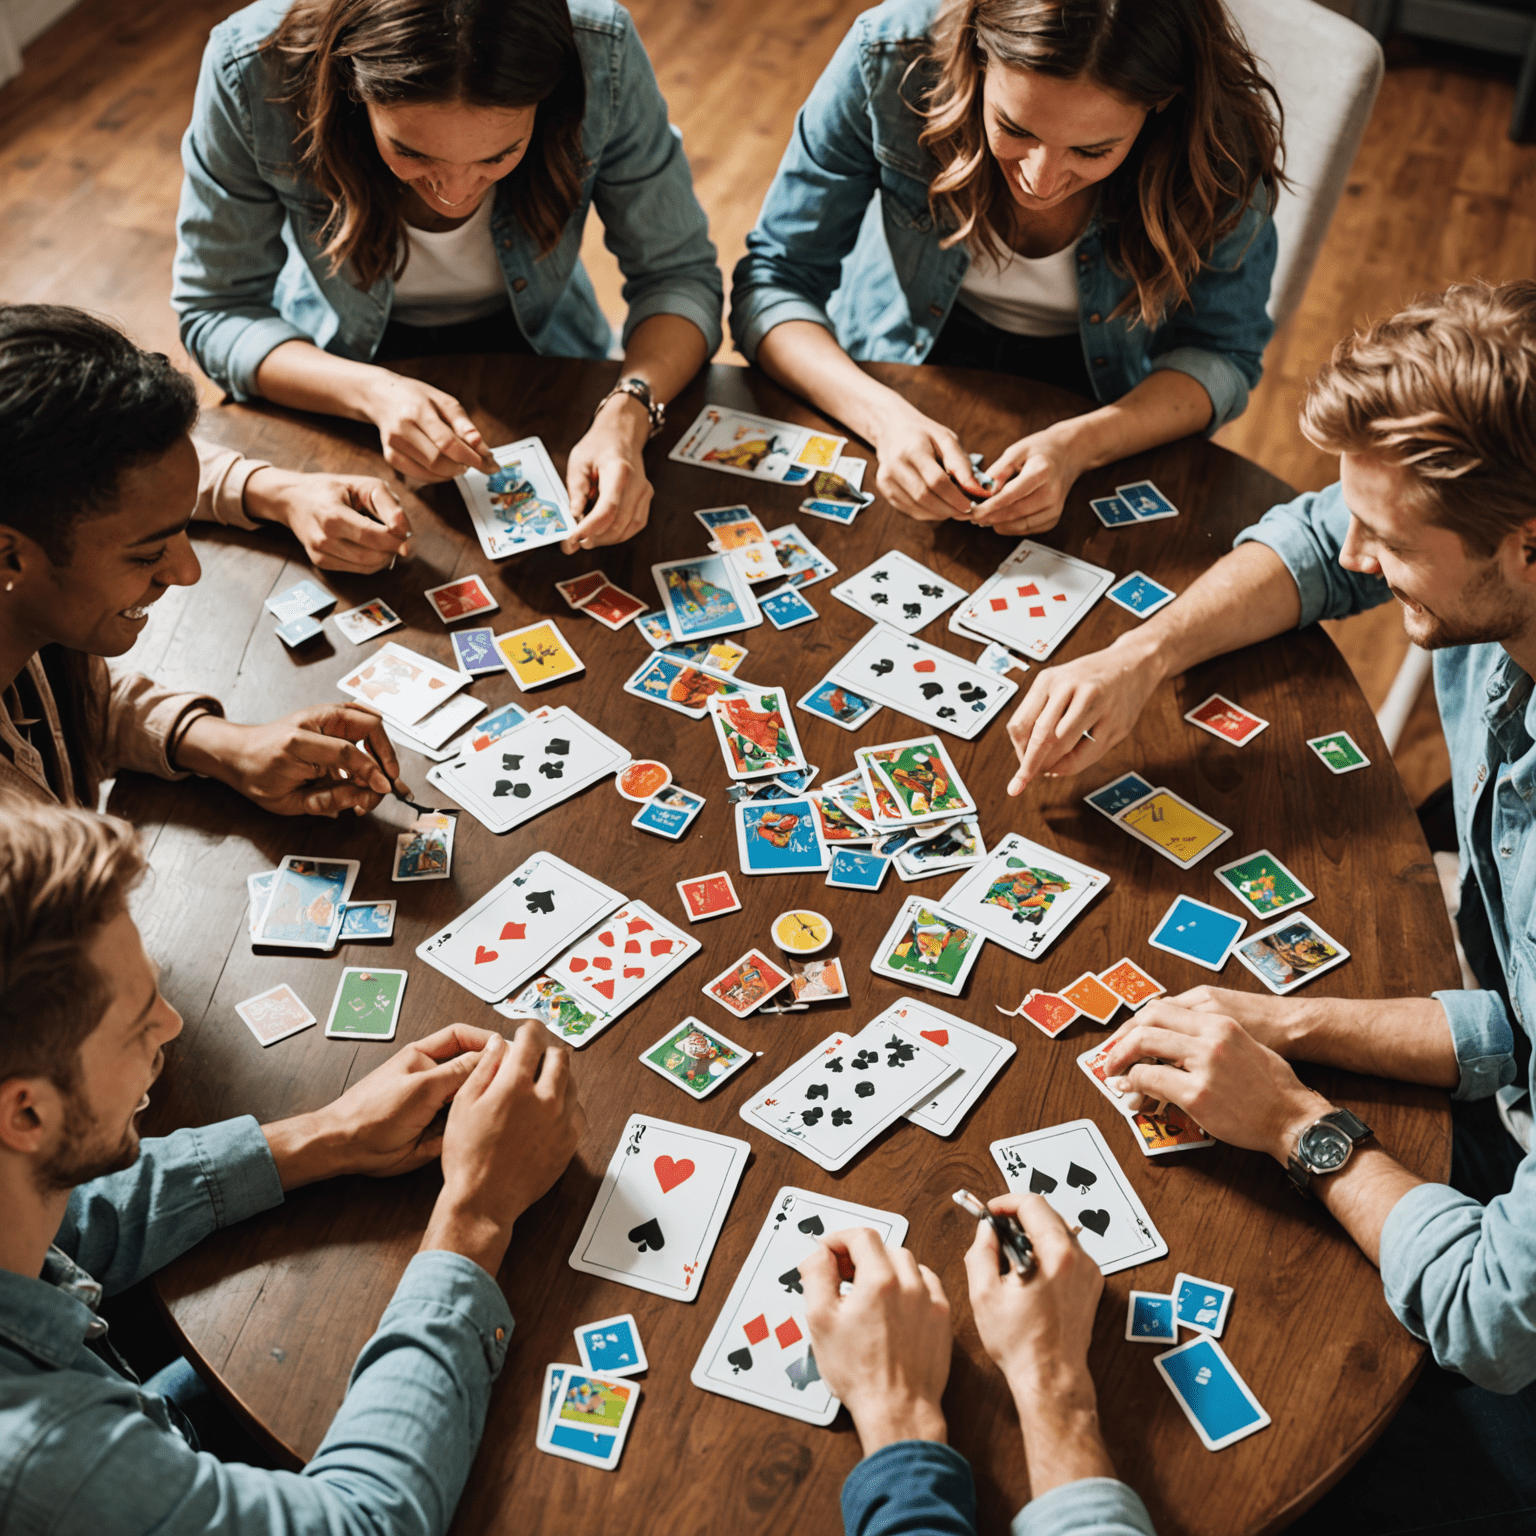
{"x": 1433, "y": 415}
{"x": 89, "y": 1209}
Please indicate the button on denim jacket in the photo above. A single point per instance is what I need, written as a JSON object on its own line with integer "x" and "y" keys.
{"x": 846, "y": 239}
{"x": 249, "y": 274}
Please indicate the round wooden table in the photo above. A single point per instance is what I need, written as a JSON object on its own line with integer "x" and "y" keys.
{"x": 277, "y": 1308}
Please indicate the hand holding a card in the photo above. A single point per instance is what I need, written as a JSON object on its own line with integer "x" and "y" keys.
{"x": 883, "y": 1348}
{"x": 345, "y": 522}
{"x": 1033, "y": 477}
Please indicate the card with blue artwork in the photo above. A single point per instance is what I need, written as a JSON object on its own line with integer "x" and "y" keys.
{"x": 786, "y": 608}
{"x": 304, "y": 906}
{"x": 1139, "y": 594}
{"x": 1149, "y": 1318}
{"x": 1215, "y": 1399}
{"x": 367, "y": 920}
{"x": 1146, "y": 502}
{"x": 1201, "y": 1304}
{"x": 842, "y": 512}
{"x": 1194, "y": 931}
{"x": 654, "y": 627}
{"x": 303, "y": 598}
{"x": 1111, "y": 511}
{"x": 673, "y": 683}
{"x": 522, "y": 506}
{"x": 704, "y": 596}
{"x": 612, "y": 1346}
{"x": 297, "y": 630}
{"x": 475, "y": 651}
{"x": 1290, "y": 953}
{"x": 669, "y": 813}
{"x": 838, "y": 703}
{"x": 779, "y": 837}
{"x": 853, "y": 870}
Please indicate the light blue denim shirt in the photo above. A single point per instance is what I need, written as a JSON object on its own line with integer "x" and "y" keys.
{"x": 82, "y": 1448}
{"x": 249, "y": 275}
{"x": 845, "y": 239}
{"x": 1460, "y": 1275}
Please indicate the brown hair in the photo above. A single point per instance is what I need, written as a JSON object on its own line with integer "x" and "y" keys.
{"x": 64, "y": 873}
{"x": 342, "y": 55}
{"x": 1194, "y": 168}
{"x": 1446, "y": 389}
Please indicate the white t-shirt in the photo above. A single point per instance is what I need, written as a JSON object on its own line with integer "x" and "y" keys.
{"x": 451, "y": 276}
{"x": 1029, "y": 298}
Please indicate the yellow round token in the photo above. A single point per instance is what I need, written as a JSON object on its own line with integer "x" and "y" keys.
{"x": 801, "y": 932}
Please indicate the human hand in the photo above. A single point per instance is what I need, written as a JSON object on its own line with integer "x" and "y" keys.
{"x": 345, "y": 522}
{"x": 884, "y": 1347}
{"x": 1033, "y": 477}
{"x": 425, "y": 432}
{"x": 1212, "y": 1068}
{"x": 1272, "y": 1021}
{"x": 606, "y": 471}
{"x": 922, "y": 465}
{"x": 308, "y": 762}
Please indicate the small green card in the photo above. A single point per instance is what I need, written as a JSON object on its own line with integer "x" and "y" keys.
{"x": 1263, "y": 884}
{"x": 695, "y": 1057}
{"x": 1339, "y": 752}
{"x": 367, "y": 1004}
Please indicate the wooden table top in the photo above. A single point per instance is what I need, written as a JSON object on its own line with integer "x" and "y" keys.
{"x": 279, "y": 1306}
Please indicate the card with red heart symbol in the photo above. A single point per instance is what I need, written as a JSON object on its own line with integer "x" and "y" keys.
{"x": 624, "y": 957}
{"x": 923, "y": 682}
{"x": 978, "y": 1053}
{"x": 660, "y": 1208}
{"x": 518, "y": 926}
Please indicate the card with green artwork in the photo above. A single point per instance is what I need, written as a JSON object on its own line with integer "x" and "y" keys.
{"x": 920, "y": 776}
{"x": 698, "y": 1059}
{"x": 1263, "y": 884}
{"x": 926, "y": 947}
{"x": 367, "y": 1004}
{"x": 1339, "y": 752}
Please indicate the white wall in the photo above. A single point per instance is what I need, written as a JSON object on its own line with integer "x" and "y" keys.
{"x": 20, "y": 22}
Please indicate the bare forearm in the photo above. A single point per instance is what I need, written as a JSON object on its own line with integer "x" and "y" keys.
{"x": 806, "y": 358}
{"x": 666, "y": 351}
{"x": 306, "y": 1149}
{"x": 1404, "y": 1038}
{"x": 1361, "y": 1196}
{"x": 1059, "y": 1418}
{"x": 456, "y": 1228}
{"x": 1165, "y": 406}
{"x": 301, "y": 375}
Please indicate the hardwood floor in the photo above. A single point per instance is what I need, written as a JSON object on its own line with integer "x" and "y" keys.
{"x": 90, "y": 173}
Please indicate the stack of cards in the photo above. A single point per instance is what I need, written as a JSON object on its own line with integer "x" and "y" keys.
{"x": 305, "y": 903}
{"x": 436, "y": 734}
{"x": 800, "y": 562}
{"x": 1160, "y": 819}
{"x": 627, "y": 955}
{"x": 758, "y": 447}
{"x": 705, "y": 596}
{"x": 956, "y": 846}
{"x": 1034, "y": 601}
{"x": 931, "y": 686}
{"x": 913, "y": 782}
{"x": 1160, "y": 1128}
{"x": 842, "y": 827}
{"x": 756, "y": 732}
{"x": 977, "y": 1053}
{"x": 585, "y": 1417}
{"x": 1139, "y": 502}
{"x": 898, "y": 591}
{"x": 927, "y": 948}
{"x": 466, "y": 598}
{"x": 520, "y": 507}
{"x": 295, "y": 611}
{"x": 670, "y": 681}
{"x": 402, "y": 685}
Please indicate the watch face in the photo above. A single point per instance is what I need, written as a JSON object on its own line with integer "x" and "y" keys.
{"x": 1324, "y": 1148}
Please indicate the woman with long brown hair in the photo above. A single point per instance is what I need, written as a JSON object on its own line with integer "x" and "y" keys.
{"x": 1075, "y": 191}
{"x": 375, "y": 179}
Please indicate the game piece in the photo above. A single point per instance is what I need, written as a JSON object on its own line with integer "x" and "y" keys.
{"x": 779, "y": 837}
{"x": 577, "y": 589}
{"x": 852, "y": 870}
{"x": 402, "y": 685}
{"x": 1201, "y": 1304}
{"x": 1290, "y": 954}
{"x": 627, "y": 955}
{"x": 758, "y": 447}
{"x": 559, "y": 1010}
{"x": 642, "y": 779}
{"x": 275, "y": 1014}
{"x": 426, "y": 851}
{"x": 1072, "y": 1167}
{"x": 304, "y": 904}
{"x": 841, "y": 705}
{"x": 297, "y": 630}
{"x": 1149, "y": 1318}
{"x": 695, "y": 1057}
{"x": 704, "y": 596}
{"x": 538, "y": 654}
{"x": 928, "y": 948}
{"x": 801, "y": 562}
{"x": 1113, "y": 797}
{"x": 366, "y": 1005}
{"x": 298, "y": 601}
{"x": 587, "y": 1416}
{"x": 612, "y": 606}
{"x": 801, "y": 931}
{"x": 1167, "y": 822}
{"x": 976, "y": 1052}
{"x": 1195, "y": 931}
{"x": 1049, "y": 1012}
{"x": 1034, "y": 601}
{"x": 708, "y": 896}
{"x": 522, "y": 505}
{"x": 1215, "y": 1399}
{"x": 1089, "y": 995}
{"x": 746, "y": 984}
{"x": 1022, "y": 895}
{"x": 1139, "y": 594}
{"x": 1221, "y": 717}
{"x": 1146, "y": 502}
{"x": 899, "y": 591}
{"x": 475, "y": 651}
{"x": 930, "y": 685}
{"x": 367, "y": 620}
{"x": 660, "y": 1207}
{"x": 818, "y": 981}
{"x": 786, "y": 608}
{"x": 1339, "y": 753}
{"x": 1131, "y": 984}
{"x": 466, "y": 598}
{"x": 1111, "y": 511}
{"x": 612, "y": 1346}
{"x": 669, "y": 813}
{"x": 1263, "y": 884}
{"x": 756, "y": 732}
{"x": 362, "y": 920}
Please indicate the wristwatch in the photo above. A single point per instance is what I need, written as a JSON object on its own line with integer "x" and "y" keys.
{"x": 1324, "y": 1147}
{"x": 638, "y": 389}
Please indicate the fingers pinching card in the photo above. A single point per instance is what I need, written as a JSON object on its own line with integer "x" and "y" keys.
{"x": 660, "y": 1208}
{"x": 759, "y": 1350}
{"x": 1072, "y": 1167}
{"x": 522, "y": 505}
{"x": 366, "y": 1005}
{"x": 1290, "y": 954}
{"x": 612, "y": 1346}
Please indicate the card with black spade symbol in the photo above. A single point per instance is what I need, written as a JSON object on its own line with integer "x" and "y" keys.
{"x": 898, "y": 591}
{"x": 662, "y": 1203}
{"x": 923, "y": 682}
{"x": 759, "y": 1350}
{"x": 518, "y": 926}
{"x": 1072, "y": 1166}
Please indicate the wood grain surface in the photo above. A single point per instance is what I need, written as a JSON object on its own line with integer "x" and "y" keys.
{"x": 278, "y": 1307}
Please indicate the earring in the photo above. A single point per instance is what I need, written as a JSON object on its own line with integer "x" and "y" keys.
{"x": 10, "y": 586}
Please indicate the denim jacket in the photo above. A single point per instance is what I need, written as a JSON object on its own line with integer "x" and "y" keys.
{"x": 845, "y": 239}
{"x": 83, "y": 1448}
{"x": 1459, "y": 1275}
{"x": 249, "y": 275}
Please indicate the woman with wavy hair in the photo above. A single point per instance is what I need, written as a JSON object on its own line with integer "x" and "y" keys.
{"x": 1074, "y": 191}
{"x": 374, "y": 179}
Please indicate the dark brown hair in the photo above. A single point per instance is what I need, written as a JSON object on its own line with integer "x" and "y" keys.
{"x": 340, "y": 56}
{"x": 1447, "y": 390}
{"x": 1194, "y": 168}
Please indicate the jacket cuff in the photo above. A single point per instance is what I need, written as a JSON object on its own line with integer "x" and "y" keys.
{"x": 751, "y": 327}
{"x": 450, "y": 1282}
{"x": 1103, "y": 1505}
{"x": 1484, "y": 1041}
{"x": 250, "y": 350}
{"x": 238, "y": 1167}
{"x": 910, "y": 1486}
{"x": 221, "y": 486}
{"x": 674, "y": 302}
{"x": 1218, "y": 376}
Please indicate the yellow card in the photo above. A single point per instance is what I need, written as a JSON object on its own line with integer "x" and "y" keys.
{"x": 1174, "y": 827}
{"x": 538, "y": 654}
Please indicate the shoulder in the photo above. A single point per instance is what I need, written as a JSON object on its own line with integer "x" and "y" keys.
{"x": 240, "y": 36}
{"x": 597, "y": 21}
{"x": 896, "y": 24}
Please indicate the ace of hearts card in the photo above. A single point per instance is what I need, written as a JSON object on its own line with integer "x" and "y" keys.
{"x": 660, "y": 1208}
{"x": 759, "y": 1350}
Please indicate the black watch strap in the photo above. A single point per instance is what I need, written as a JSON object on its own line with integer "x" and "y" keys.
{"x": 1350, "y": 1124}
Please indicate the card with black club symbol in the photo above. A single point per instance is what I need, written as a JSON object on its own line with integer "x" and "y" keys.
{"x": 759, "y": 1350}
{"x": 660, "y": 1208}
{"x": 923, "y": 682}
{"x": 1072, "y": 1167}
{"x": 898, "y": 591}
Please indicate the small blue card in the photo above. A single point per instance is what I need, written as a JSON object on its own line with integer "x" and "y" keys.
{"x": 1202, "y": 1304}
{"x": 854, "y": 870}
{"x": 367, "y": 920}
{"x": 1112, "y": 512}
{"x": 1215, "y": 1399}
{"x": 657, "y": 631}
{"x": 779, "y": 837}
{"x": 475, "y": 651}
{"x": 1194, "y": 931}
{"x": 1149, "y": 1319}
{"x": 1139, "y": 594}
{"x": 612, "y": 1347}
{"x": 1146, "y": 502}
{"x": 1119, "y": 793}
{"x": 669, "y": 814}
{"x": 786, "y": 608}
{"x": 496, "y": 725}
{"x": 297, "y": 630}
{"x": 303, "y": 597}
{"x": 842, "y": 706}
{"x": 834, "y": 511}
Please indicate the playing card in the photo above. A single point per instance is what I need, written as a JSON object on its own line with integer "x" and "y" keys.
{"x": 1022, "y": 895}
{"x": 367, "y": 920}
{"x": 1111, "y": 511}
{"x": 1139, "y": 594}
{"x": 840, "y": 828}
{"x": 670, "y": 813}
{"x": 436, "y": 728}
{"x": 522, "y": 506}
{"x": 275, "y": 1014}
{"x": 842, "y": 706}
{"x": 518, "y": 926}
{"x": 758, "y": 447}
{"x": 1290, "y": 954}
{"x": 257, "y": 888}
{"x": 475, "y": 650}
{"x": 927, "y": 948}
{"x": 426, "y": 851}
{"x": 1113, "y": 797}
{"x": 538, "y": 654}
{"x": 1162, "y": 1128}
{"x": 786, "y": 608}
{"x": 654, "y": 627}
{"x": 1149, "y": 1318}
{"x": 1034, "y": 601}
{"x": 799, "y": 560}
{"x": 1263, "y": 884}
{"x": 366, "y": 1005}
{"x": 1072, "y": 1167}
{"x": 758, "y": 1351}
{"x": 624, "y": 957}
{"x": 1339, "y": 753}
{"x": 1196, "y": 931}
{"x": 820, "y": 980}
{"x": 1146, "y": 502}
{"x": 708, "y": 896}
{"x": 588, "y": 1416}
{"x": 1089, "y": 995}
{"x": 304, "y": 905}
{"x": 851, "y": 794}
{"x": 1221, "y": 717}
{"x": 466, "y": 598}
{"x": 1049, "y": 1012}
{"x": 957, "y": 847}
{"x": 898, "y": 591}
{"x": 756, "y": 732}
{"x": 852, "y": 870}
{"x": 402, "y": 685}
{"x": 577, "y": 589}
{"x": 367, "y": 620}
{"x": 299, "y": 601}
{"x": 747, "y": 983}
{"x": 755, "y": 562}
{"x": 978, "y": 1053}
{"x": 704, "y": 596}
{"x": 932, "y": 686}
{"x": 695, "y": 1057}
{"x": 494, "y": 727}
{"x": 1201, "y": 1304}
{"x": 732, "y": 527}
{"x": 297, "y": 630}
{"x": 612, "y": 606}
{"x": 559, "y": 1010}
{"x": 1169, "y": 823}
{"x": 612, "y": 1346}
{"x": 917, "y": 779}
{"x": 669, "y": 681}
{"x": 1215, "y": 1399}
{"x": 1131, "y": 984}
{"x": 999, "y": 660}
{"x": 660, "y": 1208}
{"x": 779, "y": 837}
{"x": 723, "y": 656}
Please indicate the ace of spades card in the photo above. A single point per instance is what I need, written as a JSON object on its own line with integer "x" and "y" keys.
{"x": 518, "y": 926}
{"x": 624, "y": 957}
{"x": 759, "y": 1350}
{"x": 1072, "y": 1167}
{"x": 660, "y": 1208}
{"x": 1034, "y": 601}
{"x": 921, "y": 681}
{"x": 899, "y": 591}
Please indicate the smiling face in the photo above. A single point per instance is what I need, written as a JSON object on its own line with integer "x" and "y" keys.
{"x": 1054, "y": 138}
{"x": 451, "y": 154}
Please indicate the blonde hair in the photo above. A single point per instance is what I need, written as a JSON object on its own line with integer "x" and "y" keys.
{"x": 1445, "y": 389}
